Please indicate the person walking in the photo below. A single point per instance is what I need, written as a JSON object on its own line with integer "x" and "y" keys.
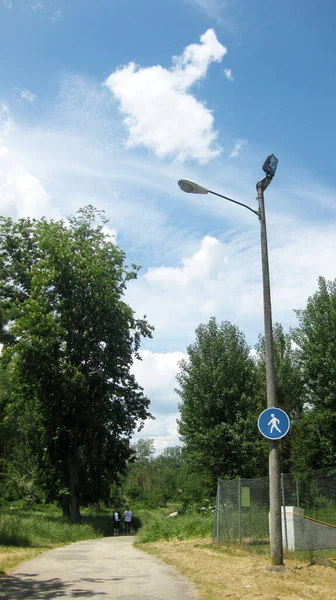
{"x": 274, "y": 422}
{"x": 116, "y": 518}
{"x": 127, "y": 520}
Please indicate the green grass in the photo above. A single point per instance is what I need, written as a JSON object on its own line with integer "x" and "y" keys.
{"x": 45, "y": 527}
{"x": 325, "y": 514}
{"x": 158, "y": 526}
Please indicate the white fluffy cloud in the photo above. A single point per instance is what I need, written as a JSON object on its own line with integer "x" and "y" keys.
{"x": 228, "y": 74}
{"x": 28, "y": 95}
{"x": 223, "y": 279}
{"x": 211, "y": 7}
{"x": 206, "y": 263}
{"x": 21, "y": 192}
{"x": 162, "y": 430}
{"x": 213, "y": 281}
{"x": 6, "y": 121}
{"x": 239, "y": 144}
{"x": 156, "y": 372}
{"x": 78, "y": 158}
{"x": 160, "y": 112}
{"x": 37, "y": 5}
{"x": 50, "y": 8}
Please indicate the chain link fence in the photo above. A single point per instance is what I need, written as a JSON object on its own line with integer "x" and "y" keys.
{"x": 315, "y": 493}
{"x": 242, "y": 505}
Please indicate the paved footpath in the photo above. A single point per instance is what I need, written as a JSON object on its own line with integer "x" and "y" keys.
{"x": 105, "y": 569}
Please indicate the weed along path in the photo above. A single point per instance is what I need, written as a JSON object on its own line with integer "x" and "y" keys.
{"x": 104, "y": 569}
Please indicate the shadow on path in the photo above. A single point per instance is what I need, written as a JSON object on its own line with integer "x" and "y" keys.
{"x": 25, "y": 587}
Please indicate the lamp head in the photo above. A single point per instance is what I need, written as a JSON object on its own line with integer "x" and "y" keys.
{"x": 190, "y": 187}
{"x": 270, "y": 165}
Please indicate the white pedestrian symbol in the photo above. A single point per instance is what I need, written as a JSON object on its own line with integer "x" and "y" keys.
{"x": 274, "y": 422}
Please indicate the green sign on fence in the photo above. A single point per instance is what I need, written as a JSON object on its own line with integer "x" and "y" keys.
{"x": 245, "y": 497}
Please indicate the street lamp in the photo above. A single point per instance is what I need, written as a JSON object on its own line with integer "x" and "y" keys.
{"x": 186, "y": 185}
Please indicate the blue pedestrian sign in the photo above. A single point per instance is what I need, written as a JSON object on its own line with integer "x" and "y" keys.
{"x": 273, "y": 423}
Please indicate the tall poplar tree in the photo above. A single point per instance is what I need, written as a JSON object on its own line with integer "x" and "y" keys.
{"x": 218, "y": 422}
{"x": 316, "y": 339}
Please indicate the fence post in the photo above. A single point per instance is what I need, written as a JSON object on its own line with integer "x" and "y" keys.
{"x": 216, "y": 529}
{"x": 297, "y": 493}
{"x": 239, "y": 509}
{"x": 284, "y": 527}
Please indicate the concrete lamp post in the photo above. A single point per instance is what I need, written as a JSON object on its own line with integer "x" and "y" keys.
{"x": 190, "y": 187}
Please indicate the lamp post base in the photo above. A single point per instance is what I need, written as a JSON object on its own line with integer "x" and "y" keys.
{"x": 276, "y": 568}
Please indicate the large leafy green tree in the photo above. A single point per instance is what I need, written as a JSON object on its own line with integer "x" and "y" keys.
{"x": 69, "y": 342}
{"x": 316, "y": 339}
{"x": 217, "y": 387}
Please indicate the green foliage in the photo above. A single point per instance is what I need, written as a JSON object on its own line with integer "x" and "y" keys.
{"x": 217, "y": 385}
{"x": 316, "y": 339}
{"x": 144, "y": 451}
{"x": 115, "y": 496}
{"x": 289, "y": 383}
{"x": 290, "y": 389}
{"x": 20, "y": 478}
{"x": 167, "y": 471}
{"x": 313, "y": 448}
{"x": 69, "y": 343}
{"x": 153, "y": 480}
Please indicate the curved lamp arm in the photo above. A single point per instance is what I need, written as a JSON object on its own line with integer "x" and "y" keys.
{"x": 190, "y": 187}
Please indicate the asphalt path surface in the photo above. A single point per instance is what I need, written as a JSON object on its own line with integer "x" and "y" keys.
{"x": 104, "y": 569}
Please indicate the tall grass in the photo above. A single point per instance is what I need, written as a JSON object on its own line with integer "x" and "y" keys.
{"x": 47, "y": 528}
{"x": 158, "y": 526}
{"x": 44, "y": 526}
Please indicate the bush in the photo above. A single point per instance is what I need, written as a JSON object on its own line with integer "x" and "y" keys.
{"x": 136, "y": 523}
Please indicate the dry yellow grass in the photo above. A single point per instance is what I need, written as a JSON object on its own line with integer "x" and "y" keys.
{"x": 11, "y": 556}
{"x": 235, "y": 574}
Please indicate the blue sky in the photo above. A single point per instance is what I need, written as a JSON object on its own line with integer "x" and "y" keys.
{"x": 109, "y": 102}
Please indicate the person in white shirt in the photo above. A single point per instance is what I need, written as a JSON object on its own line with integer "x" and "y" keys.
{"x": 116, "y": 518}
{"x": 127, "y": 520}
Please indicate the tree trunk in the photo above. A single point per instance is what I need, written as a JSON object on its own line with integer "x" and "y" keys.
{"x": 74, "y": 492}
{"x": 66, "y": 509}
